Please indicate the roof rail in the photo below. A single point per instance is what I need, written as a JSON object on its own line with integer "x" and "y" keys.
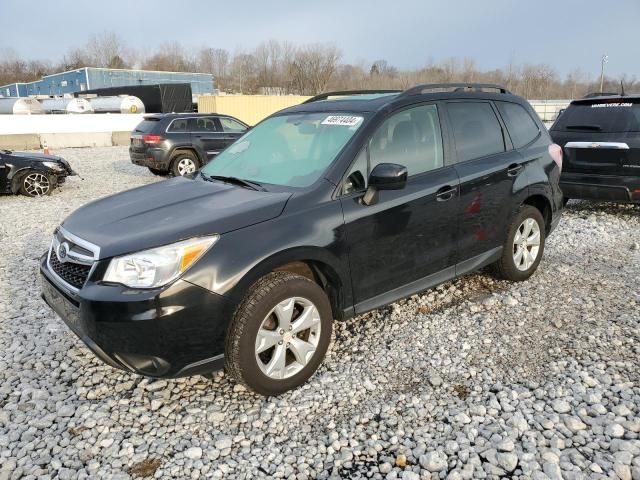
{"x": 456, "y": 87}
{"x": 345, "y": 93}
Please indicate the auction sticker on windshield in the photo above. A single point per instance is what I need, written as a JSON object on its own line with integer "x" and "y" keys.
{"x": 342, "y": 120}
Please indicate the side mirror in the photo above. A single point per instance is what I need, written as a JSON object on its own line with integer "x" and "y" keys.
{"x": 384, "y": 176}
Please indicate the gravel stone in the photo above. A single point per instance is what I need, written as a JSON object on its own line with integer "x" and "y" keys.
{"x": 434, "y": 461}
{"x": 476, "y": 378}
{"x": 193, "y": 453}
{"x": 614, "y": 430}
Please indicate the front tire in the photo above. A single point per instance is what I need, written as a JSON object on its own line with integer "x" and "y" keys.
{"x": 279, "y": 334}
{"x": 184, "y": 163}
{"x": 36, "y": 184}
{"x": 524, "y": 247}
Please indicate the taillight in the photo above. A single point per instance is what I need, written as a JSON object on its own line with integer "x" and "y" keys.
{"x": 152, "y": 139}
{"x": 555, "y": 151}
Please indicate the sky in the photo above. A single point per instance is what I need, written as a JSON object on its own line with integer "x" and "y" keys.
{"x": 566, "y": 34}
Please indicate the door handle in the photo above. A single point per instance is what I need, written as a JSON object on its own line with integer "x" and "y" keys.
{"x": 446, "y": 193}
{"x": 514, "y": 169}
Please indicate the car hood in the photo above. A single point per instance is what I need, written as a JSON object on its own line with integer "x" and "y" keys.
{"x": 36, "y": 156}
{"x": 169, "y": 211}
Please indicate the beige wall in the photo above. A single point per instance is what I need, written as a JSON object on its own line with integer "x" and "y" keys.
{"x": 248, "y": 108}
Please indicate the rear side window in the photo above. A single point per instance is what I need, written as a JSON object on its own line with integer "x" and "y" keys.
{"x": 231, "y": 126}
{"x": 522, "y": 128}
{"x": 147, "y": 125}
{"x": 476, "y": 130}
{"x": 603, "y": 116}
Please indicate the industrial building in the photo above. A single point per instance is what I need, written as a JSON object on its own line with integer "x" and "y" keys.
{"x": 90, "y": 78}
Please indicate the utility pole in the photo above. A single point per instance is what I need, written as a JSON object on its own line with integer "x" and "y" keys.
{"x": 605, "y": 58}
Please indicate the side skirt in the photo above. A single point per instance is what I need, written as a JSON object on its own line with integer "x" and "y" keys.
{"x": 430, "y": 281}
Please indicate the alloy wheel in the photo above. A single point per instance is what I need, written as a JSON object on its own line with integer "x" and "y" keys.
{"x": 288, "y": 338}
{"x": 526, "y": 244}
{"x": 186, "y": 165}
{"x": 36, "y": 184}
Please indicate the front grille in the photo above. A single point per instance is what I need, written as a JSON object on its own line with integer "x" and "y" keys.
{"x": 75, "y": 274}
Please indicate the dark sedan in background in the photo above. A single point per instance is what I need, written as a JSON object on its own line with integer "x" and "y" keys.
{"x": 181, "y": 143}
{"x": 31, "y": 173}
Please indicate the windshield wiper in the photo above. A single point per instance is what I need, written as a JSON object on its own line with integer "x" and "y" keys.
{"x": 584, "y": 127}
{"x": 235, "y": 180}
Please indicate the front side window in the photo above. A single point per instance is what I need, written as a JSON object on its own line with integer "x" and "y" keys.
{"x": 521, "y": 126}
{"x": 476, "y": 130}
{"x": 288, "y": 150}
{"x": 411, "y": 138}
{"x": 231, "y": 126}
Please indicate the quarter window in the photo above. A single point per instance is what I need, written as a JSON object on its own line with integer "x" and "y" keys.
{"x": 476, "y": 130}
{"x": 522, "y": 128}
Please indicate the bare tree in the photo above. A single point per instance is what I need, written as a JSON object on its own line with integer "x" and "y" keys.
{"x": 170, "y": 57}
{"x": 282, "y": 68}
{"x": 313, "y": 66}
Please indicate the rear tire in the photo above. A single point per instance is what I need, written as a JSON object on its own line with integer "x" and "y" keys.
{"x": 184, "y": 163}
{"x": 160, "y": 173}
{"x": 524, "y": 246}
{"x": 279, "y": 334}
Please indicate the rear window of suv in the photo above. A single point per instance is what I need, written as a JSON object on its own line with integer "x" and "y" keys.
{"x": 147, "y": 125}
{"x": 611, "y": 116}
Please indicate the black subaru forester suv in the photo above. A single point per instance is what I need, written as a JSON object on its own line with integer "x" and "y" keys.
{"x": 323, "y": 211}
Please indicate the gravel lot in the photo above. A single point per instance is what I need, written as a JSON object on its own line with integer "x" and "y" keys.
{"x": 475, "y": 379}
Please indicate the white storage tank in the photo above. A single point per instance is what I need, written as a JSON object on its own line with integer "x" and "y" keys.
{"x": 20, "y": 106}
{"x": 119, "y": 104}
{"x": 66, "y": 105}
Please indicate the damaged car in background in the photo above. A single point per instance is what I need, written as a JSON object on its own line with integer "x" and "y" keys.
{"x": 32, "y": 174}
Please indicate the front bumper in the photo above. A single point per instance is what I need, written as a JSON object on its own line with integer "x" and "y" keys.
{"x": 172, "y": 332}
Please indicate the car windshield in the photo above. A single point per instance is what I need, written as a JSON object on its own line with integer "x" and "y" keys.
{"x": 288, "y": 150}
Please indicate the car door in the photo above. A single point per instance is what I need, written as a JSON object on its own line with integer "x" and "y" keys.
{"x": 232, "y": 129}
{"x": 207, "y": 136}
{"x": 487, "y": 167}
{"x": 408, "y": 235}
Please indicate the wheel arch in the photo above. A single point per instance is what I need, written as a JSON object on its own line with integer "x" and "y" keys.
{"x": 177, "y": 150}
{"x": 543, "y": 205}
{"x": 313, "y": 263}
{"x": 16, "y": 176}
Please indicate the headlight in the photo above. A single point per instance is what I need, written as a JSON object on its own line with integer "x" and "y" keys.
{"x": 158, "y": 266}
{"x": 53, "y": 165}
